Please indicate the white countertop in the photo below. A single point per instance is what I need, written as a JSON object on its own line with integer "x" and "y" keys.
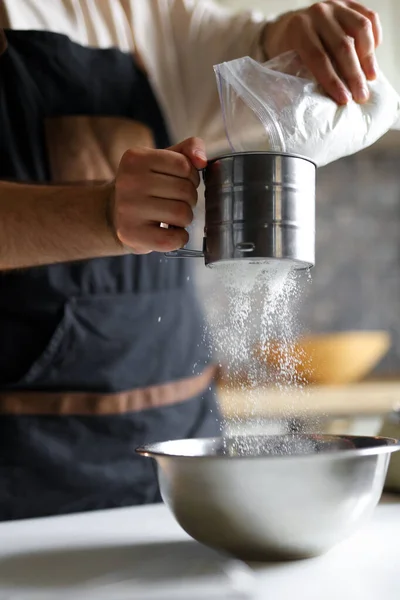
{"x": 84, "y": 556}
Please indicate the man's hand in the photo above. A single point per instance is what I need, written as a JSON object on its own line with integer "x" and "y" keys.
{"x": 336, "y": 40}
{"x": 154, "y": 187}
{"x": 44, "y": 224}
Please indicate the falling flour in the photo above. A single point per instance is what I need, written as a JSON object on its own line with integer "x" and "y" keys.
{"x": 255, "y": 310}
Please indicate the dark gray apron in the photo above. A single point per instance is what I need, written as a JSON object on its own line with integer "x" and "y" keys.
{"x": 99, "y": 326}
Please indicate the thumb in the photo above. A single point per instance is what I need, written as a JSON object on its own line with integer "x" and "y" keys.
{"x": 194, "y": 149}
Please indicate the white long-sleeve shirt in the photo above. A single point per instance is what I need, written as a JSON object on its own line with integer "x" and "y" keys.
{"x": 179, "y": 41}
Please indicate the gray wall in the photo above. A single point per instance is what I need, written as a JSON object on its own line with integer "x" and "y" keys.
{"x": 356, "y": 282}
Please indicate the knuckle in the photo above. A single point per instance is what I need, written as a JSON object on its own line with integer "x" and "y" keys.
{"x": 172, "y": 239}
{"x": 131, "y": 156}
{"x": 297, "y": 22}
{"x": 134, "y": 160}
{"x": 127, "y": 157}
{"x": 183, "y": 164}
{"x": 372, "y": 15}
{"x": 333, "y": 83}
{"x": 186, "y": 189}
{"x": 193, "y": 141}
{"x": 364, "y": 25}
{"x": 319, "y": 8}
{"x": 356, "y": 81}
{"x": 345, "y": 47}
{"x": 185, "y": 214}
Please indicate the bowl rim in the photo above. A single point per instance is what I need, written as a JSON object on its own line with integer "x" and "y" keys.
{"x": 386, "y": 445}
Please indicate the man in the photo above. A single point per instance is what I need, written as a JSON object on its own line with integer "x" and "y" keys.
{"x": 102, "y": 337}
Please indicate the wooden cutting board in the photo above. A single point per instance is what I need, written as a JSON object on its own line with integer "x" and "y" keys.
{"x": 361, "y": 399}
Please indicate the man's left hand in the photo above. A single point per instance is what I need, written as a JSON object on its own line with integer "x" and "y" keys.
{"x": 336, "y": 40}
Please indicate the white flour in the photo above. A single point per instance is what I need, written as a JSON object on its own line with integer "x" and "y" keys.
{"x": 277, "y": 106}
{"x": 256, "y": 308}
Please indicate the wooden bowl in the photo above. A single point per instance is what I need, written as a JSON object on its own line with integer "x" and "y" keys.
{"x": 335, "y": 358}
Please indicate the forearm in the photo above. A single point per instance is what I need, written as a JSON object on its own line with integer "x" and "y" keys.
{"x": 47, "y": 224}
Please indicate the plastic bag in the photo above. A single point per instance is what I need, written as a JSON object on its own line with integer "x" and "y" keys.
{"x": 277, "y": 106}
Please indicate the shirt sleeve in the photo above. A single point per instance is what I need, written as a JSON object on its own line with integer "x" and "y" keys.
{"x": 180, "y": 41}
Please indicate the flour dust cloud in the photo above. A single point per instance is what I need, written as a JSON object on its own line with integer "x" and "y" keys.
{"x": 253, "y": 314}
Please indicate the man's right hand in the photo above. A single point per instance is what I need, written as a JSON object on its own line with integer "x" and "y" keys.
{"x": 154, "y": 187}
{"x": 44, "y": 224}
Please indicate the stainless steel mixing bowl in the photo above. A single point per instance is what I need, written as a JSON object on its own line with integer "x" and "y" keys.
{"x": 272, "y": 497}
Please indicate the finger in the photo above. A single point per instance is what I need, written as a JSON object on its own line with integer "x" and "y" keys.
{"x": 154, "y": 238}
{"x": 311, "y": 51}
{"x": 373, "y": 17}
{"x": 171, "y": 212}
{"x": 359, "y": 27}
{"x": 341, "y": 47}
{"x": 194, "y": 149}
{"x": 173, "y": 188}
{"x": 169, "y": 162}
